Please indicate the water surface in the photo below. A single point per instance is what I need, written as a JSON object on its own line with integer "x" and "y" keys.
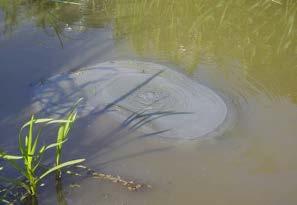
{"x": 244, "y": 50}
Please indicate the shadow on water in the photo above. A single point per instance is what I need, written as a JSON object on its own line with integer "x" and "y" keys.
{"x": 55, "y": 101}
{"x": 103, "y": 142}
{"x": 259, "y": 35}
{"x": 31, "y": 31}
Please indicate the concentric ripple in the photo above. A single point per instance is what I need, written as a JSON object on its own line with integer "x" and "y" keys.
{"x": 193, "y": 110}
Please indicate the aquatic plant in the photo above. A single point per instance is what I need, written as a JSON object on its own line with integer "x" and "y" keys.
{"x": 31, "y": 154}
{"x": 65, "y": 127}
{"x": 258, "y": 38}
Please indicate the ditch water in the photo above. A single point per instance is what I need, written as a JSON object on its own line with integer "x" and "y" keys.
{"x": 245, "y": 51}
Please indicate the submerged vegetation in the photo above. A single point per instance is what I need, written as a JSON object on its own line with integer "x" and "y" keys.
{"x": 258, "y": 37}
{"x": 31, "y": 170}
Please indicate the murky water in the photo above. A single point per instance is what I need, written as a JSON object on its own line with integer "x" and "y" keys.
{"x": 244, "y": 50}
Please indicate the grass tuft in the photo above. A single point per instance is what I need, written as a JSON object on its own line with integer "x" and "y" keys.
{"x": 28, "y": 163}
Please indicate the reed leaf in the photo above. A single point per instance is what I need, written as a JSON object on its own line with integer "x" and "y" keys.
{"x": 65, "y": 164}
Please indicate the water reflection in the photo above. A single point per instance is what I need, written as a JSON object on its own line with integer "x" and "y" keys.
{"x": 260, "y": 35}
{"x": 61, "y": 199}
{"x": 55, "y": 17}
{"x": 246, "y": 48}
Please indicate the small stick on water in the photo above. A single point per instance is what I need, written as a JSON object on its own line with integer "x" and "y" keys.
{"x": 129, "y": 184}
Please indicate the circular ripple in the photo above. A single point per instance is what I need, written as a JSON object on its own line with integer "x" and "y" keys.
{"x": 170, "y": 101}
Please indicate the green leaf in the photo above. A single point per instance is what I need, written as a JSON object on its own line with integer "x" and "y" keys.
{"x": 58, "y": 122}
{"x": 21, "y": 148}
{"x": 26, "y": 141}
{"x": 37, "y": 121}
{"x": 55, "y": 144}
{"x": 9, "y": 157}
{"x": 43, "y": 120}
{"x": 30, "y": 135}
{"x": 65, "y": 164}
{"x": 60, "y": 133}
{"x": 42, "y": 149}
{"x": 34, "y": 145}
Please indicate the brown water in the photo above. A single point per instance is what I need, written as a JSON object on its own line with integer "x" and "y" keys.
{"x": 244, "y": 50}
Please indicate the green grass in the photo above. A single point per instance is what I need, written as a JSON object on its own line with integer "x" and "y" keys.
{"x": 28, "y": 162}
{"x": 62, "y": 135}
